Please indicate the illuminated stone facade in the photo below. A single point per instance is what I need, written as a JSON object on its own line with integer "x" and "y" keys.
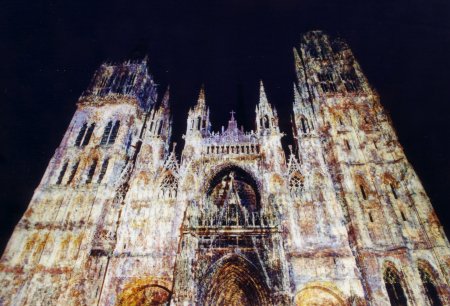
{"x": 118, "y": 219}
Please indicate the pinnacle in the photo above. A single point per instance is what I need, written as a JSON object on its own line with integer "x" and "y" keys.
{"x": 201, "y": 96}
{"x": 262, "y": 93}
{"x": 165, "y": 100}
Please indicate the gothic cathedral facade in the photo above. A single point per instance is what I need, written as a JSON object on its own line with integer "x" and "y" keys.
{"x": 119, "y": 219}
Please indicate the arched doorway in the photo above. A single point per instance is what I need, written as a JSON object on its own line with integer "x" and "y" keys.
{"x": 234, "y": 282}
{"x": 394, "y": 286}
{"x": 231, "y": 231}
{"x": 429, "y": 278}
{"x": 320, "y": 294}
{"x": 145, "y": 292}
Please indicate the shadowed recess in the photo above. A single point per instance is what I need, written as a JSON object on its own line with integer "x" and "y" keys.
{"x": 244, "y": 185}
{"x": 235, "y": 282}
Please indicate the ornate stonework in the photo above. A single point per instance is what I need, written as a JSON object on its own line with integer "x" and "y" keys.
{"x": 119, "y": 219}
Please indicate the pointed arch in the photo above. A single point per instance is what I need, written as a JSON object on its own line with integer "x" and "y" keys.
{"x": 247, "y": 187}
{"x": 265, "y": 122}
{"x": 88, "y": 135}
{"x": 145, "y": 291}
{"x": 429, "y": 278}
{"x": 320, "y": 293}
{"x": 233, "y": 280}
{"x": 304, "y": 124}
{"x": 394, "y": 285}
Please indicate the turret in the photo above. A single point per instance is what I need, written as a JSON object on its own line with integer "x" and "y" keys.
{"x": 156, "y": 141}
{"x": 198, "y": 124}
{"x": 266, "y": 117}
{"x": 159, "y": 121}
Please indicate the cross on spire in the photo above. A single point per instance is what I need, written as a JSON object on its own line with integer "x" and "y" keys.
{"x": 232, "y": 114}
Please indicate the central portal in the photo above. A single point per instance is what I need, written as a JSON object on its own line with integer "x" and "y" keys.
{"x": 235, "y": 282}
{"x": 232, "y": 247}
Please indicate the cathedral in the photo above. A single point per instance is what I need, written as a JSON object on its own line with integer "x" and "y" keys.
{"x": 120, "y": 219}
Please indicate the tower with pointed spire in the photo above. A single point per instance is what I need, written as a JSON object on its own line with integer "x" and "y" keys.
{"x": 120, "y": 219}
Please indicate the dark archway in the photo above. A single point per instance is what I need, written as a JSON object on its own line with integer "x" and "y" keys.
{"x": 243, "y": 182}
{"x": 394, "y": 287}
{"x": 234, "y": 281}
{"x": 429, "y": 280}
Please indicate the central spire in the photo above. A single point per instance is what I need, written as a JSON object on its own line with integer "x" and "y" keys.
{"x": 262, "y": 94}
{"x": 201, "y": 96}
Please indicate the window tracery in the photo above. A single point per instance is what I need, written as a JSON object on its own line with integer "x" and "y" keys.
{"x": 296, "y": 184}
{"x": 168, "y": 187}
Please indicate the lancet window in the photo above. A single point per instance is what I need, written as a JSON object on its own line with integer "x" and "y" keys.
{"x": 394, "y": 287}
{"x": 62, "y": 172}
{"x": 114, "y": 132}
{"x": 106, "y": 133}
{"x": 91, "y": 172}
{"x": 84, "y": 135}
{"x": 88, "y": 135}
{"x": 103, "y": 170}
{"x": 81, "y": 135}
{"x": 429, "y": 285}
{"x": 304, "y": 125}
{"x": 73, "y": 172}
{"x": 110, "y": 133}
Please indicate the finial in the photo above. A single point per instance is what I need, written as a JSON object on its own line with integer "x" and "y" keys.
{"x": 232, "y": 115}
{"x": 173, "y": 147}
{"x": 290, "y": 149}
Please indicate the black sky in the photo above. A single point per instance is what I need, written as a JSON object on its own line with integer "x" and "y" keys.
{"x": 50, "y": 49}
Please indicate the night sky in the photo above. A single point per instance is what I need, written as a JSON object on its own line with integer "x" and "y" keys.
{"x": 50, "y": 50}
